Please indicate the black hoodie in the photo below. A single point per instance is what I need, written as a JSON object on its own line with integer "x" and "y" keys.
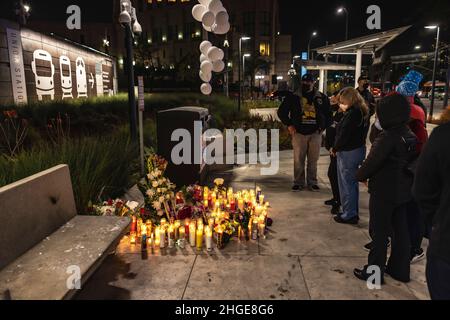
{"x": 432, "y": 190}
{"x": 386, "y": 166}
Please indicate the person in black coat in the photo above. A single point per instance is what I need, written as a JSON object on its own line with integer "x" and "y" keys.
{"x": 390, "y": 182}
{"x": 432, "y": 193}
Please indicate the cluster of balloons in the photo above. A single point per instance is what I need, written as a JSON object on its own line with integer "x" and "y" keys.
{"x": 213, "y": 16}
{"x": 211, "y": 59}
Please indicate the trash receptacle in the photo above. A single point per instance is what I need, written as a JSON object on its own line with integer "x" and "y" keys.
{"x": 183, "y": 118}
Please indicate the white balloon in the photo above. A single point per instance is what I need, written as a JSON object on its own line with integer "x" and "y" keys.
{"x": 206, "y": 67}
{"x": 209, "y": 29}
{"x": 214, "y": 54}
{"x": 204, "y": 2}
{"x": 198, "y": 11}
{"x": 222, "y": 29}
{"x": 208, "y": 19}
{"x": 203, "y": 57}
{"x": 222, "y": 18}
{"x": 218, "y": 66}
{"x": 204, "y": 47}
{"x": 221, "y": 54}
{"x": 215, "y": 6}
{"x": 206, "y": 89}
{"x": 206, "y": 77}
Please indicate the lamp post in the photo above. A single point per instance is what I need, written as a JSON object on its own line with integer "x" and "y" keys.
{"x": 226, "y": 45}
{"x": 314, "y": 34}
{"x": 22, "y": 11}
{"x": 344, "y": 10}
{"x": 128, "y": 20}
{"x": 239, "y": 70}
{"x": 244, "y": 56}
{"x": 436, "y": 54}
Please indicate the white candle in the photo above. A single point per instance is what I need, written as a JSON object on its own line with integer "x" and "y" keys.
{"x": 162, "y": 235}
{"x": 192, "y": 234}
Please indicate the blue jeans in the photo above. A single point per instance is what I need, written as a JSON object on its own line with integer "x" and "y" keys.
{"x": 348, "y": 164}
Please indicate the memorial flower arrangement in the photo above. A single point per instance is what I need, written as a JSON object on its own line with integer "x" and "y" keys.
{"x": 158, "y": 191}
{"x": 115, "y": 207}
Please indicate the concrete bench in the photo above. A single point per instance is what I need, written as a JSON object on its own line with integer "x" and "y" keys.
{"x": 42, "y": 237}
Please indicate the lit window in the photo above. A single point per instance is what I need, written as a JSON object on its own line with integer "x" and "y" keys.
{"x": 264, "y": 49}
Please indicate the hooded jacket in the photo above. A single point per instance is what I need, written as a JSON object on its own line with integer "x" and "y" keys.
{"x": 386, "y": 166}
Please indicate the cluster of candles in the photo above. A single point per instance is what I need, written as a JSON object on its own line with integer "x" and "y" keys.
{"x": 217, "y": 207}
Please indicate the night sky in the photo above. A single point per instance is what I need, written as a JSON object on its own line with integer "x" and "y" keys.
{"x": 299, "y": 18}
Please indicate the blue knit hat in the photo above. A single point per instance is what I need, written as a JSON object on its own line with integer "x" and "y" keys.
{"x": 410, "y": 84}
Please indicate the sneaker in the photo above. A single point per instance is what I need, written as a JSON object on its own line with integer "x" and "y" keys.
{"x": 418, "y": 255}
{"x": 297, "y": 188}
{"x": 330, "y": 202}
{"x": 335, "y": 211}
{"x": 314, "y": 188}
{"x": 352, "y": 221}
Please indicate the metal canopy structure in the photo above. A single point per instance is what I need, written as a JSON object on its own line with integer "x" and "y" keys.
{"x": 368, "y": 45}
{"x": 324, "y": 67}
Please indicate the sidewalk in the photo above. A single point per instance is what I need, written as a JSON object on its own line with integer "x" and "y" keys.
{"x": 306, "y": 255}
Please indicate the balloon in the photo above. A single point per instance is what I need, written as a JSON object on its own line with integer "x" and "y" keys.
{"x": 209, "y": 29}
{"x": 204, "y": 47}
{"x": 222, "y": 18}
{"x": 222, "y": 29}
{"x": 203, "y": 57}
{"x": 221, "y": 54}
{"x": 215, "y": 6}
{"x": 206, "y": 89}
{"x": 198, "y": 11}
{"x": 206, "y": 77}
{"x": 214, "y": 54}
{"x": 218, "y": 66}
{"x": 208, "y": 18}
{"x": 206, "y": 67}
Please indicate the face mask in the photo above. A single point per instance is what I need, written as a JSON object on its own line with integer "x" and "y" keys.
{"x": 366, "y": 86}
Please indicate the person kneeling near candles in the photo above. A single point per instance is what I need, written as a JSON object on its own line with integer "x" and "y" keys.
{"x": 390, "y": 183}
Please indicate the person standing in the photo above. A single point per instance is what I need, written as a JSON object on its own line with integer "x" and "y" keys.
{"x": 350, "y": 149}
{"x": 432, "y": 193}
{"x": 386, "y": 169}
{"x": 306, "y": 117}
{"x": 364, "y": 91}
{"x": 330, "y": 139}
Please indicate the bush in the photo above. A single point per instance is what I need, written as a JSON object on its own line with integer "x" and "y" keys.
{"x": 102, "y": 167}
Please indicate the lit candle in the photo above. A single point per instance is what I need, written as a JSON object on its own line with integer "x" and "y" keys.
{"x": 254, "y": 229}
{"x": 199, "y": 239}
{"x": 133, "y": 224}
{"x": 182, "y": 240}
{"x": 157, "y": 242}
{"x": 171, "y": 236}
{"x": 133, "y": 238}
{"x": 163, "y": 222}
{"x": 186, "y": 226}
{"x": 211, "y": 223}
{"x": 192, "y": 230}
{"x": 241, "y": 204}
{"x": 208, "y": 234}
{"x": 206, "y": 204}
{"x": 148, "y": 226}
{"x": 177, "y": 226}
{"x": 139, "y": 228}
{"x": 261, "y": 199}
{"x": 162, "y": 235}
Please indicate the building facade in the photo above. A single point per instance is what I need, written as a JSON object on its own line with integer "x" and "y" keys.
{"x": 171, "y": 38}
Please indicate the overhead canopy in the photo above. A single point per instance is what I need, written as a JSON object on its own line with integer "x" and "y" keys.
{"x": 367, "y": 44}
{"x": 327, "y": 66}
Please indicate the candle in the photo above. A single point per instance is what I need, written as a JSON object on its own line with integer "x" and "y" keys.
{"x": 262, "y": 230}
{"x": 144, "y": 237}
{"x": 186, "y": 227}
{"x": 162, "y": 236}
{"x": 192, "y": 230}
{"x": 206, "y": 204}
{"x": 148, "y": 226}
{"x": 208, "y": 234}
{"x": 157, "y": 241}
{"x": 254, "y": 229}
{"x": 171, "y": 236}
{"x": 199, "y": 239}
{"x": 177, "y": 226}
{"x": 133, "y": 224}
{"x": 241, "y": 204}
{"x": 139, "y": 227}
{"x": 211, "y": 223}
{"x": 163, "y": 222}
{"x": 219, "y": 238}
{"x": 261, "y": 199}
{"x": 182, "y": 240}
{"x": 133, "y": 238}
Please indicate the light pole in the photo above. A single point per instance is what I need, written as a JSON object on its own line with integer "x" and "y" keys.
{"x": 436, "y": 55}
{"x": 128, "y": 20}
{"x": 259, "y": 77}
{"x": 226, "y": 45}
{"x": 313, "y": 35}
{"x": 344, "y": 10}
{"x": 22, "y": 11}
{"x": 244, "y": 56}
{"x": 239, "y": 70}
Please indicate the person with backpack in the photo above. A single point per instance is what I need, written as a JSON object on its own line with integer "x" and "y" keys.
{"x": 306, "y": 117}
{"x": 389, "y": 179}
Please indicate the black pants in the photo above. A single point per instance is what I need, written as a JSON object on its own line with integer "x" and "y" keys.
{"x": 438, "y": 278}
{"x": 416, "y": 226}
{"x": 387, "y": 218}
{"x": 333, "y": 176}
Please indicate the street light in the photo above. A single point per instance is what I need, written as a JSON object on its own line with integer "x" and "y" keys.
{"x": 22, "y": 11}
{"x": 128, "y": 20}
{"x": 244, "y": 56}
{"x": 313, "y": 35}
{"x": 344, "y": 10}
{"x": 418, "y": 47}
{"x": 239, "y": 70}
{"x": 436, "y": 53}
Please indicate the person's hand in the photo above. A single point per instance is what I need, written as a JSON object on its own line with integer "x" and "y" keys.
{"x": 333, "y": 153}
{"x": 292, "y": 130}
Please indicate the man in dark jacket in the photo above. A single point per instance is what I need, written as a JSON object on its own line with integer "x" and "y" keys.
{"x": 306, "y": 118}
{"x": 432, "y": 192}
{"x": 363, "y": 89}
{"x": 390, "y": 182}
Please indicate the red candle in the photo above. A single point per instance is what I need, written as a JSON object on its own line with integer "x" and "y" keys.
{"x": 186, "y": 227}
{"x": 133, "y": 224}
